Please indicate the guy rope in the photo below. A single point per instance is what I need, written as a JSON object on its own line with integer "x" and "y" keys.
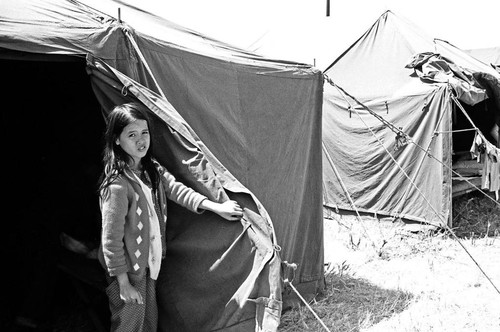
{"x": 405, "y": 139}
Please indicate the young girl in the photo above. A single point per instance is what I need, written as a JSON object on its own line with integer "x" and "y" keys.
{"x": 133, "y": 191}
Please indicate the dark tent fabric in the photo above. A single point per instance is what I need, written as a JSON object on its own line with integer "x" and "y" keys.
{"x": 259, "y": 117}
{"x": 212, "y": 267}
{"x": 364, "y": 155}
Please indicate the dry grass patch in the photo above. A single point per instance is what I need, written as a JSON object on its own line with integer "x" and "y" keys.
{"x": 476, "y": 216}
{"x": 400, "y": 280}
{"x": 350, "y": 302}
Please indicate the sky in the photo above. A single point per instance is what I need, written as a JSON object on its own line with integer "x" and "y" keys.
{"x": 299, "y": 30}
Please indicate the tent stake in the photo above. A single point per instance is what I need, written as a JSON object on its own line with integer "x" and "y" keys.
{"x": 119, "y": 15}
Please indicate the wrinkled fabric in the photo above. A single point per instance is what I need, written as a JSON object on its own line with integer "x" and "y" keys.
{"x": 368, "y": 163}
{"x": 436, "y": 68}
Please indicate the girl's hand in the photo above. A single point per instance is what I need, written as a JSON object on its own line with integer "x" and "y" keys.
{"x": 229, "y": 210}
{"x": 128, "y": 293}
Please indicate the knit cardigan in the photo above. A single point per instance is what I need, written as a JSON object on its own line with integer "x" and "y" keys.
{"x": 125, "y": 221}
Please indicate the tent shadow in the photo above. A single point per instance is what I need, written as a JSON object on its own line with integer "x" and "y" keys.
{"x": 348, "y": 304}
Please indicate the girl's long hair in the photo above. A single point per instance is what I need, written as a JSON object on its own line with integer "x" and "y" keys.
{"x": 115, "y": 159}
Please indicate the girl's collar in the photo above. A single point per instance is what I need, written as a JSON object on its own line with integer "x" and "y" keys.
{"x": 142, "y": 175}
{"x": 137, "y": 172}
{"x": 132, "y": 174}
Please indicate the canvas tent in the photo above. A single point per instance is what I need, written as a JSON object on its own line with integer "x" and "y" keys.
{"x": 258, "y": 117}
{"x": 369, "y": 165}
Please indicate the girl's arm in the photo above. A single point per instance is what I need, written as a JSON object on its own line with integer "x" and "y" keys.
{"x": 189, "y": 198}
{"x": 114, "y": 210}
{"x": 180, "y": 193}
{"x": 229, "y": 210}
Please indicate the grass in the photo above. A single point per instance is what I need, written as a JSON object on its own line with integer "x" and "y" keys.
{"x": 396, "y": 279}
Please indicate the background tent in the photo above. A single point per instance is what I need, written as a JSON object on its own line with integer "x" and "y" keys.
{"x": 489, "y": 55}
{"x": 259, "y": 117}
{"x": 363, "y": 153}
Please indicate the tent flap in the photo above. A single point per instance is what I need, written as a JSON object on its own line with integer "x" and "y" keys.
{"x": 213, "y": 267}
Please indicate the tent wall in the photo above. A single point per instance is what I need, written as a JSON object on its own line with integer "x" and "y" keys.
{"x": 364, "y": 153}
{"x": 268, "y": 137}
{"x": 244, "y": 114}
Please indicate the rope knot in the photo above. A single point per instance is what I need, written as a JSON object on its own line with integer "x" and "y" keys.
{"x": 401, "y": 140}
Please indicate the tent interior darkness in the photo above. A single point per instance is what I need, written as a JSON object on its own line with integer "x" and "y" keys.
{"x": 484, "y": 115}
{"x": 54, "y": 125}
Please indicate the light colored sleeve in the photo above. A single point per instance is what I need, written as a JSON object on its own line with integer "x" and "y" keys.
{"x": 180, "y": 193}
{"x": 114, "y": 210}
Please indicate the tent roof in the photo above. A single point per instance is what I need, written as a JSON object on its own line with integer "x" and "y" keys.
{"x": 489, "y": 55}
{"x": 465, "y": 59}
{"x": 165, "y": 30}
{"x": 379, "y": 57}
{"x": 80, "y": 27}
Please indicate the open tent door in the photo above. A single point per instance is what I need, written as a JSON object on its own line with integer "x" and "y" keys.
{"x": 217, "y": 275}
{"x": 54, "y": 125}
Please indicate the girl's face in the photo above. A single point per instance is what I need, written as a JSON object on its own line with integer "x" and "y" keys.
{"x": 134, "y": 140}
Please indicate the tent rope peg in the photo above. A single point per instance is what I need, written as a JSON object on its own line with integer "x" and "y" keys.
{"x": 289, "y": 267}
{"x": 308, "y": 306}
{"x": 386, "y": 107}
{"x": 293, "y": 268}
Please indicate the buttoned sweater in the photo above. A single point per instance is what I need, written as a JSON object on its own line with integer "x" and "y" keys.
{"x": 125, "y": 237}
